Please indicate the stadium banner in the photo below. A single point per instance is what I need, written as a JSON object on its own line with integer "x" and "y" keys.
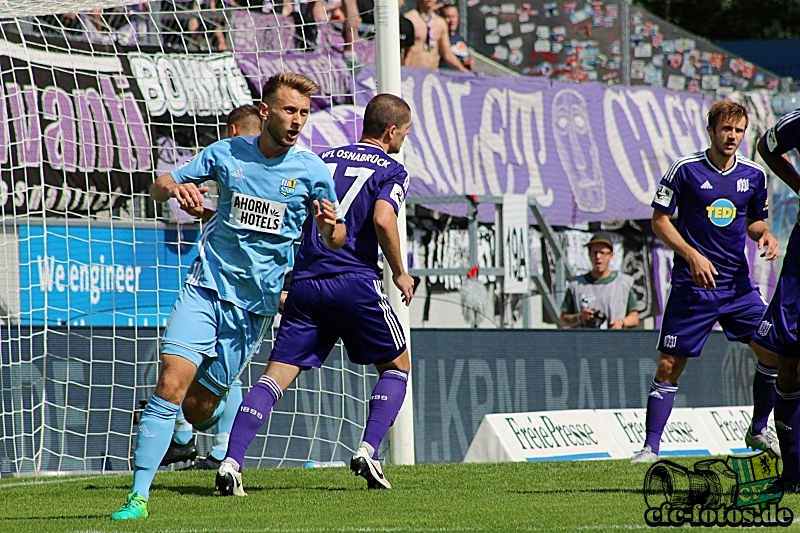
{"x": 258, "y": 38}
{"x": 74, "y": 135}
{"x": 585, "y": 152}
{"x": 461, "y": 375}
{"x": 728, "y": 426}
{"x": 542, "y": 436}
{"x": 685, "y": 432}
{"x": 192, "y": 90}
{"x": 516, "y": 248}
{"x": 100, "y": 275}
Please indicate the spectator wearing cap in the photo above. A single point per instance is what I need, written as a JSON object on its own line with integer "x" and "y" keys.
{"x": 600, "y": 298}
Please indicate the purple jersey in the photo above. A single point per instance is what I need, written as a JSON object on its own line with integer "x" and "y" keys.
{"x": 363, "y": 174}
{"x": 713, "y": 206}
{"x": 784, "y": 135}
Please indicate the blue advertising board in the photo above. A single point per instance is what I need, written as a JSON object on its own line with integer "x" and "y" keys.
{"x": 101, "y": 275}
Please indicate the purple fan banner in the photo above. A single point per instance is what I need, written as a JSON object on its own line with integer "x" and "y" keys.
{"x": 585, "y": 152}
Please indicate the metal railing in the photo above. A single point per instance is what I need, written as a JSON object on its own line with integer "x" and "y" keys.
{"x": 550, "y": 299}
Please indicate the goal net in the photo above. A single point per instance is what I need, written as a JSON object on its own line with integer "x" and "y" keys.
{"x": 99, "y": 98}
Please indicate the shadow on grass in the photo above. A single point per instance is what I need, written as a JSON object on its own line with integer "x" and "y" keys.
{"x": 38, "y": 518}
{"x": 579, "y": 491}
{"x": 210, "y": 491}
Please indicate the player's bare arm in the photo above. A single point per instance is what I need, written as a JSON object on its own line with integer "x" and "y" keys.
{"x": 759, "y": 232}
{"x": 702, "y": 269}
{"x": 385, "y": 220}
{"x": 187, "y": 194}
{"x": 780, "y": 165}
{"x": 333, "y": 232}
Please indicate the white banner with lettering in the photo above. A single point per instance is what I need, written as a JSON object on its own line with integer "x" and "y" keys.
{"x": 516, "y": 248}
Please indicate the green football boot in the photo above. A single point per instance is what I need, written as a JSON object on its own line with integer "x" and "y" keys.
{"x": 134, "y": 507}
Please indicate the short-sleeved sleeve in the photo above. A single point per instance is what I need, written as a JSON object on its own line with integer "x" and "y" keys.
{"x": 394, "y": 189}
{"x": 567, "y": 305}
{"x": 666, "y": 197}
{"x": 631, "y": 301}
{"x": 198, "y": 169}
{"x": 784, "y": 135}
{"x": 758, "y": 206}
{"x": 322, "y": 186}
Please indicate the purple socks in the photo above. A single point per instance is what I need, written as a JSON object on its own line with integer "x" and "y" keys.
{"x": 659, "y": 406}
{"x": 763, "y": 396}
{"x": 787, "y": 425}
{"x": 384, "y": 404}
{"x": 253, "y": 412}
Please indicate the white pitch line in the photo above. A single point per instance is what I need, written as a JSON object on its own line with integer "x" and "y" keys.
{"x": 53, "y": 481}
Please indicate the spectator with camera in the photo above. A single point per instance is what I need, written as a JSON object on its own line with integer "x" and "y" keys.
{"x": 600, "y": 298}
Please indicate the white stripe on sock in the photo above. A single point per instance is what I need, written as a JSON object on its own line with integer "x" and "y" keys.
{"x": 273, "y": 385}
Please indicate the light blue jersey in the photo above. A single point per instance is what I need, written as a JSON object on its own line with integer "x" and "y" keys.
{"x": 263, "y": 203}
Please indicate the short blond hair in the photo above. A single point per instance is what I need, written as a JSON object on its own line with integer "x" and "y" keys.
{"x": 726, "y": 111}
{"x": 298, "y": 82}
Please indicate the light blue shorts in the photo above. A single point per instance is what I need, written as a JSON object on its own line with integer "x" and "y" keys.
{"x": 217, "y": 336}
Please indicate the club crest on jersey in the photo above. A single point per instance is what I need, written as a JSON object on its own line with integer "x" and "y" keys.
{"x": 722, "y": 212}
{"x": 742, "y": 185}
{"x": 288, "y": 185}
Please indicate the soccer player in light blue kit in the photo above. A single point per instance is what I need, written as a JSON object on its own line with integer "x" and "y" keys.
{"x": 339, "y": 294}
{"x": 721, "y": 198}
{"x": 244, "y": 120}
{"x": 778, "y": 328}
{"x": 268, "y": 189}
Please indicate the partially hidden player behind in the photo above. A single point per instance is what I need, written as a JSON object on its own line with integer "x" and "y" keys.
{"x": 268, "y": 188}
{"x": 721, "y": 198}
{"x": 339, "y": 294}
{"x": 601, "y": 298}
{"x": 243, "y": 121}
{"x": 778, "y": 329}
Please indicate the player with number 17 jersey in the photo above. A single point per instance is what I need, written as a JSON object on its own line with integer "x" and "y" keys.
{"x": 363, "y": 174}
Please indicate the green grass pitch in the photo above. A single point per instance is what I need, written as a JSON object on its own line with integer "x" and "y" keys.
{"x": 578, "y": 496}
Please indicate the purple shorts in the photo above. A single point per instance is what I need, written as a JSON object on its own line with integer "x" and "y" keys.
{"x": 691, "y": 312}
{"x": 318, "y": 312}
{"x": 777, "y": 330}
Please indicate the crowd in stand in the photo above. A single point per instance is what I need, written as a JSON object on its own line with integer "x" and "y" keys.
{"x": 428, "y": 33}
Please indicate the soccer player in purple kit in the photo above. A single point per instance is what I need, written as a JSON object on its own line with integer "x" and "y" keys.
{"x": 778, "y": 328}
{"x": 721, "y": 198}
{"x": 340, "y": 295}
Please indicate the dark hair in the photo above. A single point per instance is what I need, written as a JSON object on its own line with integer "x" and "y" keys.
{"x": 298, "y": 82}
{"x": 726, "y": 111}
{"x": 243, "y": 116}
{"x": 382, "y": 112}
{"x": 448, "y": 6}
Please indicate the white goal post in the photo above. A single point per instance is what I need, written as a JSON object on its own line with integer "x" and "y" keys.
{"x": 96, "y": 100}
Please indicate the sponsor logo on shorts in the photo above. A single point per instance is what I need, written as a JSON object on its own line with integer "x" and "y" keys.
{"x": 764, "y": 328}
{"x": 721, "y": 213}
{"x": 670, "y": 341}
